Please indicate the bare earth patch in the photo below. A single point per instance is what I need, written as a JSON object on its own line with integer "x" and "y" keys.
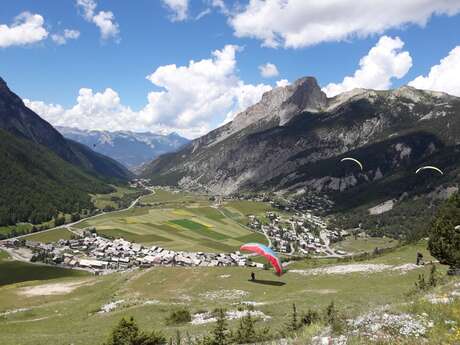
{"x": 356, "y": 268}
{"x": 224, "y": 294}
{"x": 53, "y": 289}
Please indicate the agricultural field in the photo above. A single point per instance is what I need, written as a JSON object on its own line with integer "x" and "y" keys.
{"x": 69, "y": 310}
{"x": 50, "y": 236}
{"x": 103, "y": 200}
{"x": 195, "y": 226}
{"x": 169, "y": 197}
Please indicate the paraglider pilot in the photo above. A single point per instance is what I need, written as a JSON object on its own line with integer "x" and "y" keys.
{"x": 419, "y": 259}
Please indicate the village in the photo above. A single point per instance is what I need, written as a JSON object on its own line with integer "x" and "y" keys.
{"x": 297, "y": 229}
{"x": 101, "y": 255}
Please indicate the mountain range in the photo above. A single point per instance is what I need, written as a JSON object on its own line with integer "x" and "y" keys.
{"x": 42, "y": 173}
{"x": 293, "y": 140}
{"x": 129, "y": 148}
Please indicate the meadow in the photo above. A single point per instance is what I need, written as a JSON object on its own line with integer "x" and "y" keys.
{"x": 12, "y": 272}
{"x": 67, "y": 310}
{"x": 181, "y": 221}
{"x": 49, "y": 236}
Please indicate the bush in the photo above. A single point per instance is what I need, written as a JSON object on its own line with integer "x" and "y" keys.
{"x": 333, "y": 318}
{"x": 179, "y": 316}
{"x": 444, "y": 241}
{"x": 59, "y": 221}
{"x": 310, "y": 317}
{"x": 127, "y": 333}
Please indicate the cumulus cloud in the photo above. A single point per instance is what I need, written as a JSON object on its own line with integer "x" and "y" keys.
{"x": 282, "y": 83}
{"x": 62, "y": 38}
{"x": 384, "y": 62}
{"x": 268, "y": 70}
{"x": 104, "y": 20}
{"x": 27, "y": 28}
{"x": 178, "y": 8}
{"x": 443, "y": 76}
{"x": 192, "y": 100}
{"x": 300, "y": 23}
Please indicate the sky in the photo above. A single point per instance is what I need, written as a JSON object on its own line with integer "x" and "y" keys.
{"x": 188, "y": 66}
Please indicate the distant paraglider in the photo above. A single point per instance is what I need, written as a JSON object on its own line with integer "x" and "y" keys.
{"x": 265, "y": 252}
{"x": 353, "y": 160}
{"x": 429, "y": 167}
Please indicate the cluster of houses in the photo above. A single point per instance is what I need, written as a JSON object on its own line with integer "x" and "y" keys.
{"x": 102, "y": 255}
{"x": 310, "y": 202}
{"x": 300, "y": 233}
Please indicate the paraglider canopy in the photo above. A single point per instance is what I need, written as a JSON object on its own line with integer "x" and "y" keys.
{"x": 429, "y": 167}
{"x": 266, "y": 252}
{"x": 352, "y": 160}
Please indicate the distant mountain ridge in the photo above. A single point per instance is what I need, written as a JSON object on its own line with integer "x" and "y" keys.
{"x": 129, "y": 148}
{"x": 294, "y": 138}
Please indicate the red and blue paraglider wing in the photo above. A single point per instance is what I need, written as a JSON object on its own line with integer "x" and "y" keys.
{"x": 263, "y": 250}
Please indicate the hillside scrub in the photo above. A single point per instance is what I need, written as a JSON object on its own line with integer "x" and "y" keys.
{"x": 444, "y": 241}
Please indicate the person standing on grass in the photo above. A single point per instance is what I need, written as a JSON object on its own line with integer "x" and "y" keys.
{"x": 419, "y": 259}
{"x": 253, "y": 276}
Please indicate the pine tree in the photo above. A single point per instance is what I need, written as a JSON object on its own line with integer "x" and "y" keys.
{"x": 444, "y": 241}
{"x": 220, "y": 331}
{"x": 246, "y": 332}
{"x": 433, "y": 280}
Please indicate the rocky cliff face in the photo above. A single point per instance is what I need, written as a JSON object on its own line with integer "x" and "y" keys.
{"x": 294, "y": 138}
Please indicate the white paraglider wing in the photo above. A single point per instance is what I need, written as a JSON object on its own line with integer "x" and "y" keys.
{"x": 353, "y": 160}
{"x": 429, "y": 167}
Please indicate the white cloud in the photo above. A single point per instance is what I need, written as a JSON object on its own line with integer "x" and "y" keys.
{"x": 383, "y": 62}
{"x": 27, "y": 28}
{"x": 194, "y": 99}
{"x": 66, "y": 35}
{"x": 442, "y": 77}
{"x": 268, "y": 70}
{"x": 282, "y": 83}
{"x": 301, "y": 23}
{"x": 104, "y": 20}
{"x": 179, "y": 9}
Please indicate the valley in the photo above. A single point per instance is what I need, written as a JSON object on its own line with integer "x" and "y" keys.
{"x": 357, "y": 284}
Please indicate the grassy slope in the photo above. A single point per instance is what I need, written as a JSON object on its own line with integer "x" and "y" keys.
{"x": 50, "y": 236}
{"x": 12, "y": 272}
{"x": 72, "y": 318}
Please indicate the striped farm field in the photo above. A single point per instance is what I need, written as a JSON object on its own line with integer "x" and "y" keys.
{"x": 180, "y": 223}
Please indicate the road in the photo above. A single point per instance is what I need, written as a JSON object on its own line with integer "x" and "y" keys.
{"x": 69, "y": 225}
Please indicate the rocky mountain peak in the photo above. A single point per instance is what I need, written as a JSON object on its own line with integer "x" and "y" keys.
{"x": 6, "y": 95}
{"x": 280, "y": 105}
{"x": 304, "y": 95}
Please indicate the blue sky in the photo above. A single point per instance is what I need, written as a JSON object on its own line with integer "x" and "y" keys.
{"x": 145, "y": 35}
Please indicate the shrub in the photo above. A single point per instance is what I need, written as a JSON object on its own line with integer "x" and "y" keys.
{"x": 179, "y": 316}
{"x": 127, "y": 333}
{"x": 310, "y": 317}
{"x": 444, "y": 240}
